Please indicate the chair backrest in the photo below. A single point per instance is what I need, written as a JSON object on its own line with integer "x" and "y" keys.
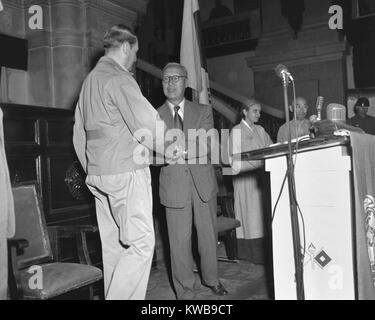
{"x": 31, "y": 225}
{"x": 221, "y": 182}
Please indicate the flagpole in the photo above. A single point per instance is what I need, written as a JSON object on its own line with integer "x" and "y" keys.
{"x": 204, "y": 74}
{"x": 192, "y": 55}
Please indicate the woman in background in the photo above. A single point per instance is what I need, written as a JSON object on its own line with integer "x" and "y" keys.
{"x": 248, "y": 182}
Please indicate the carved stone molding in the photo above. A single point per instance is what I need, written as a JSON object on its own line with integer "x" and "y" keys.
{"x": 312, "y": 35}
{"x": 290, "y": 60}
{"x": 114, "y": 9}
{"x": 39, "y": 39}
{"x": 139, "y": 6}
{"x": 28, "y": 3}
{"x": 316, "y": 43}
{"x": 64, "y": 39}
{"x": 17, "y": 4}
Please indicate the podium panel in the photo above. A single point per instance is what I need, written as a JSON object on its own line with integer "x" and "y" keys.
{"x": 323, "y": 187}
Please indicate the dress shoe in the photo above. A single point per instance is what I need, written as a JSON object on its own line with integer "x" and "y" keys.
{"x": 218, "y": 289}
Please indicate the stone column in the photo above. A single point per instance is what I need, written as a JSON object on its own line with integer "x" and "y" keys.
{"x": 40, "y": 66}
{"x": 13, "y": 86}
{"x": 64, "y": 51}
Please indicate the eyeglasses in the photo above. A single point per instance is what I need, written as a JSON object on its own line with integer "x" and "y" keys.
{"x": 174, "y": 78}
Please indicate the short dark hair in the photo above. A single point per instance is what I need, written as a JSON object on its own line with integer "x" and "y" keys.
{"x": 362, "y": 102}
{"x": 117, "y": 35}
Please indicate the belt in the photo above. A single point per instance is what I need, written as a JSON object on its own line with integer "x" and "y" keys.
{"x": 103, "y": 133}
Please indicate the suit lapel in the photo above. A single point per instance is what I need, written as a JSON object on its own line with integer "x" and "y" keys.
{"x": 166, "y": 115}
{"x": 189, "y": 116}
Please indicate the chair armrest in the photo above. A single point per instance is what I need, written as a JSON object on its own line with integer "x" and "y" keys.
{"x": 16, "y": 247}
{"x": 69, "y": 231}
{"x": 74, "y": 231}
{"x": 18, "y": 244}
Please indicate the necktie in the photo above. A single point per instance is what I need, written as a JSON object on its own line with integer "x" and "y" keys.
{"x": 177, "y": 119}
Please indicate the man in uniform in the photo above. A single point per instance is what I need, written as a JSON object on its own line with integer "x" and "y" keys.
{"x": 110, "y": 111}
{"x": 361, "y": 119}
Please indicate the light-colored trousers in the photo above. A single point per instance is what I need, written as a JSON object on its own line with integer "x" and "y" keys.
{"x": 180, "y": 222}
{"x": 124, "y": 214}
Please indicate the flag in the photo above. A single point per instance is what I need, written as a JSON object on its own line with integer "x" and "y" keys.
{"x": 191, "y": 54}
{"x": 363, "y": 155}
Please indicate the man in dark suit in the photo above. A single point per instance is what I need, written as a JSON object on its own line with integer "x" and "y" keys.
{"x": 361, "y": 119}
{"x": 186, "y": 188}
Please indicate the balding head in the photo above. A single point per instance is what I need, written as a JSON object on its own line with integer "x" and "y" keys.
{"x": 117, "y": 35}
{"x": 301, "y": 108}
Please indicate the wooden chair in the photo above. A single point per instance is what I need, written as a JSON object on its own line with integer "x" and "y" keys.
{"x": 33, "y": 274}
{"x": 226, "y": 222}
{"x": 226, "y": 225}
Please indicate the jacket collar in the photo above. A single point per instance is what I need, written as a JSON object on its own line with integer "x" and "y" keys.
{"x": 114, "y": 64}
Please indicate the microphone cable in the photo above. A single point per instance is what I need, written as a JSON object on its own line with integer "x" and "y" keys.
{"x": 290, "y": 171}
{"x": 295, "y": 210}
{"x": 278, "y": 197}
{"x": 294, "y": 192}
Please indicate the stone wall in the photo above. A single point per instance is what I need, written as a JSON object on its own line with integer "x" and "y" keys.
{"x": 65, "y": 49}
{"x": 316, "y": 58}
{"x": 14, "y": 82}
{"x": 232, "y": 72}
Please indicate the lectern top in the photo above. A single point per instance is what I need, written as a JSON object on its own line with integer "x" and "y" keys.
{"x": 303, "y": 146}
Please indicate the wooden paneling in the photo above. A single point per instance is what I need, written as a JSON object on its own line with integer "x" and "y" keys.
{"x": 230, "y": 35}
{"x": 39, "y": 147}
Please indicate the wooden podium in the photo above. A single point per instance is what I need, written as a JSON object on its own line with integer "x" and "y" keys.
{"x": 323, "y": 190}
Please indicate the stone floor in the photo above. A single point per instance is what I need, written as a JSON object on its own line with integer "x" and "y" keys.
{"x": 243, "y": 280}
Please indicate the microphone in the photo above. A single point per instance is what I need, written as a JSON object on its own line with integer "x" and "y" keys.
{"x": 282, "y": 71}
{"x": 313, "y": 118}
{"x": 319, "y": 106}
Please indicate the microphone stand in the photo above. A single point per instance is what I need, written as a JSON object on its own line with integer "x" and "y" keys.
{"x": 292, "y": 201}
